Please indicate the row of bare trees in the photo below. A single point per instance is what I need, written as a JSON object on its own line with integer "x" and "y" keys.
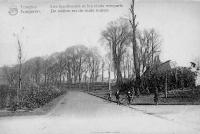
{"x": 121, "y": 36}
{"x": 133, "y": 51}
{"x": 74, "y": 65}
{"x": 118, "y": 35}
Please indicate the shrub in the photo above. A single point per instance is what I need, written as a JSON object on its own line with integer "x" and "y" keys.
{"x": 30, "y": 97}
{"x": 36, "y": 97}
{"x": 180, "y": 77}
{"x": 3, "y": 95}
{"x": 7, "y": 96}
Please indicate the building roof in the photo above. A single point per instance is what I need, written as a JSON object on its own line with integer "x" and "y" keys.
{"x": 159, "y": 67}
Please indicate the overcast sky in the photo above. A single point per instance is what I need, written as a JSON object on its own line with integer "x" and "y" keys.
{"x": 178, "y": 23}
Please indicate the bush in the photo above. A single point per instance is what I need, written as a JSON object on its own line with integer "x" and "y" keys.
{"x": 3, "y": 95}
{"x": 7, "y": 96}
{"x": 181, "y": 77}
{"x": 36, "y": 97}
{"x": 31, "y": 97}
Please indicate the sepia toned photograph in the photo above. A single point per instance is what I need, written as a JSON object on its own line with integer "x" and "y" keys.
{"x": 99, "y": 67}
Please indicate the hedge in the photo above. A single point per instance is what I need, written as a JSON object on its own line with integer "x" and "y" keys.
{"x": 30, "y": 97}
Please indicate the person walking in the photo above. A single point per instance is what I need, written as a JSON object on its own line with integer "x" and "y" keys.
{"x": 156, "y": 96}
{"x": 117, "y": 97}
{"x": 129, "y": 97}
{"x": 155, "y": 86}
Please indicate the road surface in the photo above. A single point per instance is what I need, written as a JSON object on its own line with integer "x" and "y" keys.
{"x": 80, "y": 113}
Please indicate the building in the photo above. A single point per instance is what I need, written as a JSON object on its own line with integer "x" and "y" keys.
{"x": 159, "y": 66}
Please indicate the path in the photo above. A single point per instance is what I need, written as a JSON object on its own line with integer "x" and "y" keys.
{"x": 80, "y": 113}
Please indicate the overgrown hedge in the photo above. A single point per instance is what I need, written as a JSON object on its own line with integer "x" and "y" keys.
{"x": 31, "y": 97}
{"x": 180, "y": 77}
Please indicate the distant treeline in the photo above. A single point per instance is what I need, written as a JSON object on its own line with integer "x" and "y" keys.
{"x": 76, "y": 64}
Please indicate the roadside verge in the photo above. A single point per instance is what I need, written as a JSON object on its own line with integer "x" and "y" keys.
{"x": 38, "y": 111}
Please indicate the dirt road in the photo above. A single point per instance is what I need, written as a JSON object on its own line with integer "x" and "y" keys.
{"x": 80, "y": 113}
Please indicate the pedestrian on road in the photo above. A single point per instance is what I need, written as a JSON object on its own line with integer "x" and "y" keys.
{"x": 155, "y": 87}
{"x": 156, "y": 96}
{"x": 117, "y": 97}
{"x": 109, "y": 96}
{"x": 129, "y": 97}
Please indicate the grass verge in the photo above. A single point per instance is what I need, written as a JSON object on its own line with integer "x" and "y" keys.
{"x": 175, "y": 97}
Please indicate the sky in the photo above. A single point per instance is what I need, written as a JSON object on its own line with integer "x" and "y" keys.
{"x": 45, "y": 33}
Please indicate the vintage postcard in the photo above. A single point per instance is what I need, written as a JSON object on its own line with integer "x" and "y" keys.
{"x": 99, "y": 66}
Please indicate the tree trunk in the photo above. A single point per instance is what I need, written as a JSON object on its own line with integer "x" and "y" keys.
{"x": 102, "y": 73}
{"x": 45, "y": 77}
{"x": 152, "y": 53}
{"x": 166, "y": 86}
{"x": 79, "y": 75}
{"x": 119, "y": 74}
{"x": 60, "y": 77}
{"x": 135, "y": 51}
{"x": 85, "y": 76}
{"x": 124, "y": 68}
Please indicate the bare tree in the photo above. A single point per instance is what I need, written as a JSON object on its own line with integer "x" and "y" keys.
{"x": 73, "y": 63}
{"x": 76, "y": 58}
{"x": 149, "y": 43}
{"x": 135, "y": 49}
{"x": 155, "y": 43}
{"x": 10, "y": 74}
{"x": 61, "y": 61}
{"x": 102, "y": 69}
{"x": 20, "y": 64}
{"x": 93, "y": 64}
{"x": 117, "y": 37}
{"x": 46, "y": 64}
{"x": 33, "y": 71}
